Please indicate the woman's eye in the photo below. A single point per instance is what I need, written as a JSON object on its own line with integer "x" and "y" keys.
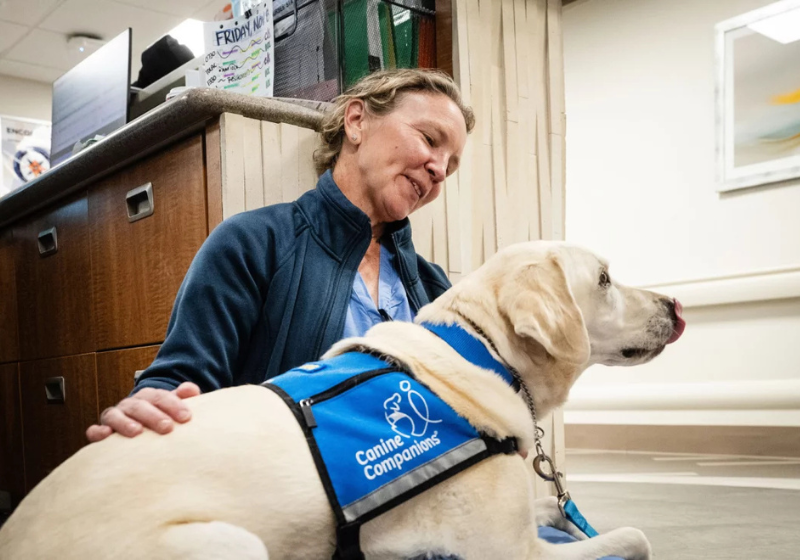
{"x": 429, "y": 140}
{"x": 605, "y": 279}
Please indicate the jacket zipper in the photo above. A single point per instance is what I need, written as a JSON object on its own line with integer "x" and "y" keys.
{"x": 339, "y": 388}
{"x": 337, "y": 283}
{"x": 412, "y": 297}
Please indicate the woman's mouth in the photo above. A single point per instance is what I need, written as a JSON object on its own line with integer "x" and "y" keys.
{"x": 417, "y": 188}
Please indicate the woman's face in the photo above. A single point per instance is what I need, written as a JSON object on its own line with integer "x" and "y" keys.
{"x": 402, "y": 158}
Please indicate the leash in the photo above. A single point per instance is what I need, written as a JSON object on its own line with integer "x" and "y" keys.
{"x": 465, "y": 344}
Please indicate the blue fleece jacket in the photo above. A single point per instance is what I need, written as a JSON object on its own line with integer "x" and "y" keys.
{"x": 269, "y": 291}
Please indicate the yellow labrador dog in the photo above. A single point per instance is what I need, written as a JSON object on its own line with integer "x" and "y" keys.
{"x": 238, "y": 481}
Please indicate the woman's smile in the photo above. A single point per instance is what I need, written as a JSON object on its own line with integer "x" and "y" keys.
{"x": 417, "y": 188}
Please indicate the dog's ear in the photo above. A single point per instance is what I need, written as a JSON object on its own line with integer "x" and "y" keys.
{"x": 540, "y": 305}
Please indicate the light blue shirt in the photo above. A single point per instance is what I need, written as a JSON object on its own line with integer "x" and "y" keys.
{"x": 362, "y": 313}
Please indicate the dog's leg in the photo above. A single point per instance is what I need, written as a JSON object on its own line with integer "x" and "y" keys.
{"x": 548, "y": 515}
{"x": 210, "y": 541}
{"x": 628, "y": 543}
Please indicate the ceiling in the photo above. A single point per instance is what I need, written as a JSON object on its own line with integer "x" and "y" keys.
{"x": 33, "y": 33}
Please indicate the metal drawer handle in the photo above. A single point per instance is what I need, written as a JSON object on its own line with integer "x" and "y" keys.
{"x": 48, "y": 242}
{"x": 54, "y": 390}
{"x": 140, "y": 202}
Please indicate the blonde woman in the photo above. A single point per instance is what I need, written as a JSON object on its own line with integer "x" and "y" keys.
{"x": 273, "y": 288}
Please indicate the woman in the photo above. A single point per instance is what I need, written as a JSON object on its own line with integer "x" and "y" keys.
{"x": 273, "y": 288}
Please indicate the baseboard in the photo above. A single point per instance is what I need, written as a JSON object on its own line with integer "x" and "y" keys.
{"x": 728, "y": 440}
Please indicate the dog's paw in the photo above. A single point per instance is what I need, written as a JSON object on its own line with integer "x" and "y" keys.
{"x": 548, "y": 514}
{"x": 633, "y": 543}
{"x": 547, "y": 511}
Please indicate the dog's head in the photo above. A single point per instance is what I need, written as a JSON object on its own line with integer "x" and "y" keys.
{"x": 624, "y": 326}
{"x": 553, "y": 306}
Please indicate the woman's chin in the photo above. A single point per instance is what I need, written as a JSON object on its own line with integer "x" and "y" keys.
{"x": 398, "y": 212}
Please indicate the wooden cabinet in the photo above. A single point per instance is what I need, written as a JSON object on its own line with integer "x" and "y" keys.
{"x": 12, "y": 472}
{"x": 54, "y": 282}
{"x": 116, "y": 370}
{"x": 9, "y": 338}
{"x": 97, "y": 271}
{"x": 59, "y": 401}
{"x": 87, "y": 283}
{"x": 147, "y": 223}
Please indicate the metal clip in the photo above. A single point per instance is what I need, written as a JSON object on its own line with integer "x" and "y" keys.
{"x": 553, "y": 476}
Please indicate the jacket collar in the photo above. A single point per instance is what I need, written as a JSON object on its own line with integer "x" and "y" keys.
{"x": 338, "y": 223}
{"x": 471, "y": 349}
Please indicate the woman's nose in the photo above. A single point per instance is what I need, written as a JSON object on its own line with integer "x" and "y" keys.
{"x": 436, "y": 169}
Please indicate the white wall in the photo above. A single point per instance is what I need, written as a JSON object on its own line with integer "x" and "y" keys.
{"x": 25, "y": 98}
{"x": 641, "y": 191}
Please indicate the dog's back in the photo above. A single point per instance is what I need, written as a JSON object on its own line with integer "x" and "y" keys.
{"x": 115, "y": 498}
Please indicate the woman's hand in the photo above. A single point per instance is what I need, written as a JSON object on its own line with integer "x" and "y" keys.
{"x": 156, "y": 409}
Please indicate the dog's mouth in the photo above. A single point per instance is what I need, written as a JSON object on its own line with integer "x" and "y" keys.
{"x": 641, "y": 353}
{"x": 665, "y": 332}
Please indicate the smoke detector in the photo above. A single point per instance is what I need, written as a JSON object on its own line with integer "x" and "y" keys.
{"x": 84, "y": 43}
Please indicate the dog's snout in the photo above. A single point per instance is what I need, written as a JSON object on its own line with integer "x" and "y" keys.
{"x": 675, "y": 310}
{"x": 669, "y": 304}
{"x": 674, "y": 307}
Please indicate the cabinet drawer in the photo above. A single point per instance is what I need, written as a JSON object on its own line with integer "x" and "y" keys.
{"x": 116, "y": 370}
{"x": 12, "y": 474}
{"x": 59, "y": 401}
{"x": 147, "y": 223}
{"x": 9, "y": 336}
{"x": 54, "y": 282}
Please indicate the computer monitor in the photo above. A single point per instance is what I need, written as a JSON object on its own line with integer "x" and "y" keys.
{"x": 92, "y": 98}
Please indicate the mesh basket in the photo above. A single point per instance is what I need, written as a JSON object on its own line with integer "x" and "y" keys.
{"x": 311, "y": 62}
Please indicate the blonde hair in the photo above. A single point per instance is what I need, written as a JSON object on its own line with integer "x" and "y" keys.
{"x": 380, "y": 92}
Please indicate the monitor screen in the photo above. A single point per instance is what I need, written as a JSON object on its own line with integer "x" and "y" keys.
{"x": 92, "y": 98}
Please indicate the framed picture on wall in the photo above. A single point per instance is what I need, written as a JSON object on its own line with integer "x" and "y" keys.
{"x": 758, "y": 97}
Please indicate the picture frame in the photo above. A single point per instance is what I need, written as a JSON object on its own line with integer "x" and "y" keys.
{"x": 758, "y": 97}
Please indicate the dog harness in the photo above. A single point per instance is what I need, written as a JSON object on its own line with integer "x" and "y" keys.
{"x": 379, "y": 436}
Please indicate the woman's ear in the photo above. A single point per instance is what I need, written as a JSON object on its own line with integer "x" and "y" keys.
{"x": 540, "y": 305}
{"x": 354, "y": 120}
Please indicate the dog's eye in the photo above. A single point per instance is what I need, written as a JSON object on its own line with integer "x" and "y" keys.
{"x": 605, "y": 279}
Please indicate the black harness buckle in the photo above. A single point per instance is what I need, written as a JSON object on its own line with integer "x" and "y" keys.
{"x": 507, "y": 446}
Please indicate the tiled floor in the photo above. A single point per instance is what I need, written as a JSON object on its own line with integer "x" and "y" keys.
{"x": 693, "y": 507}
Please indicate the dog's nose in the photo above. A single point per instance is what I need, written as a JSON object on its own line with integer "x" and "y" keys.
{"x": 675, "y": 310}
{"x": 673, "y": 306}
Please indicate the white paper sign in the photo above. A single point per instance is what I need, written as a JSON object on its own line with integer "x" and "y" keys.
{"x": 241, "y": 52}
{"x": 25, "y": 151}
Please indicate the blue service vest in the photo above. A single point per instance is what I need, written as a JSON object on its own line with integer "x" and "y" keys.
{"x": 378, "y": 437}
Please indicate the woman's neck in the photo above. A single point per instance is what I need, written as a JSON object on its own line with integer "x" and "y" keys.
{"x": 353, "y": 190}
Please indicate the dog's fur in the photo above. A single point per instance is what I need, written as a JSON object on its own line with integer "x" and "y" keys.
{"x": 238, "y": 480}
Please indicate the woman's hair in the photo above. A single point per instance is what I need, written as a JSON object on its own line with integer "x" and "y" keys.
{"x": 380, "y": 92}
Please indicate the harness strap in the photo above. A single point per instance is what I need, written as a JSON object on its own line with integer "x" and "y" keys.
{"x": 471, "y": 349}
{"x": 507, "y": 446}
{"x": 348, "y": 542}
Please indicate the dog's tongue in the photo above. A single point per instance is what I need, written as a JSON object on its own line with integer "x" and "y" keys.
{"x": 680, "y": 325}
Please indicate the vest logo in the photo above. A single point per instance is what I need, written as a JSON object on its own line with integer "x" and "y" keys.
{"x": 408, "y": 415}
{"x": 409, "y": 418}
